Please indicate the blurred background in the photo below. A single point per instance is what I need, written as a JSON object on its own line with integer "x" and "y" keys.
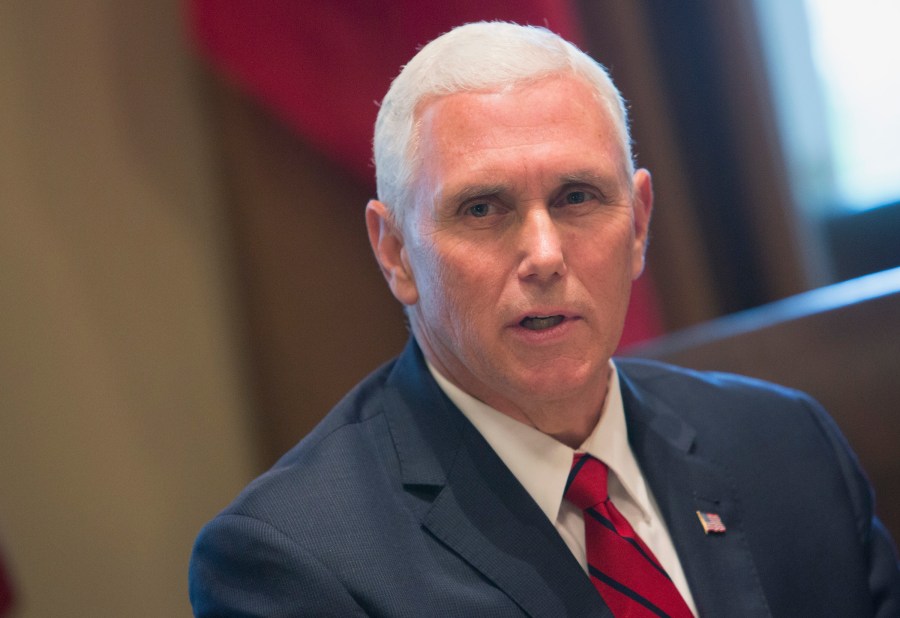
{"x": 185, "y": 282}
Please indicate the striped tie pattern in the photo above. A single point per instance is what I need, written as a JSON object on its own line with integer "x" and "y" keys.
{"x": 622, "y": 568}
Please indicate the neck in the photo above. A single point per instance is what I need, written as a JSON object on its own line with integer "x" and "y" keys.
{"x": 569, "y": 417}
{"x": 569, "y": 422}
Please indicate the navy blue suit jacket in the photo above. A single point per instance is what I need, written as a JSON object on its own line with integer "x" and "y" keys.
{"x": 396, "y": 506}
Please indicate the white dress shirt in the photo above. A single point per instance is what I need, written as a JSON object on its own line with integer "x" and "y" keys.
{"x": 542, "y": 463}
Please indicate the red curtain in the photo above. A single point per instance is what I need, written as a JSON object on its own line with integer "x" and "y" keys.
{"x": 322, "y": 66}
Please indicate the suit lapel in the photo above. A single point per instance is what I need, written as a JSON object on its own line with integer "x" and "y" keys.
{"x": 476, "y": 507}
{"x": 485, "y": 516}
{"x": 719, "y": 567}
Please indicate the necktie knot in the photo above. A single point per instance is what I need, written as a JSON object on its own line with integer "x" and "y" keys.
{"x": 586, "y": 486}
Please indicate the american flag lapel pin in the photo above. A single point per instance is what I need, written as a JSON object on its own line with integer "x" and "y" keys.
{"x": 711, "y": 522}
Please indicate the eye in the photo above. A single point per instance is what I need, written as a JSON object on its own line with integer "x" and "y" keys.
{"x": 577, "y": 197}
{"x": 479, "y": 210}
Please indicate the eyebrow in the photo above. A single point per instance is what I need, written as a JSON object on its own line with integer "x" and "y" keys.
{"x": 471, "y": 192}
{"x": 586, "y": 176}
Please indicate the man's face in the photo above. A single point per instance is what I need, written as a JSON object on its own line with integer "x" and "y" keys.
{"x": 517, "y": 261}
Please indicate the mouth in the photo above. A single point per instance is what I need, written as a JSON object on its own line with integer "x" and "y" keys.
{"x": 539, "y": 322}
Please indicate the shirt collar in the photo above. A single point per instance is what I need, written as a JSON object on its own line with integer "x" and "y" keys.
{"x": 541, "y": 463}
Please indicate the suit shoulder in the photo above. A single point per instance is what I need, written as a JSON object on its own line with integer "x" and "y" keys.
{"x": 719, "y": 401}
{"x": 317, "y": 467}
{"x": 361, "y": 403}
{"x": 663, "y": 378}
{"x": 728, "y": 409}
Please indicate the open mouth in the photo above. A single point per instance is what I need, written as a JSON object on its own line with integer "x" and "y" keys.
{"x": 541, "y": 322}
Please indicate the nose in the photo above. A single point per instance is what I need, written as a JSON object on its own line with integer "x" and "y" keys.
{"x": 541, "y": 247}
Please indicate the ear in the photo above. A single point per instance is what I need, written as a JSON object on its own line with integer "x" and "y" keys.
{"x": 643, "y": 208}
{"x": 390, "y": 251}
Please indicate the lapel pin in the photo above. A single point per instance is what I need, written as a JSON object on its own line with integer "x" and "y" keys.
{"x": 711, "y": 522}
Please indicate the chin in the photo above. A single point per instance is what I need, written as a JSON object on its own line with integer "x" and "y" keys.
{"x": 561, "y": 380}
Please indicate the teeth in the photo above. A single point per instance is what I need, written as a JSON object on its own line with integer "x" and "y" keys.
{"x": 541, "y": 323}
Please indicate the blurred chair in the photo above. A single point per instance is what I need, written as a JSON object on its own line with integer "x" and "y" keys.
{"x": 840, "y": 344}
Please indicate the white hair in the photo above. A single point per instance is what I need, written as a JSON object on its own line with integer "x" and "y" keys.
{"x": 476, "y": 57}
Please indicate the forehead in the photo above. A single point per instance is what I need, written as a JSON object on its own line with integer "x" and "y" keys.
{"x": 550, "y": 128}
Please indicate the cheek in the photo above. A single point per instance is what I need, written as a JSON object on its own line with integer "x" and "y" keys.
{"x": 458, "y": 293}
{"x": 438, "y": 285}
{"x": 607, "y": 267}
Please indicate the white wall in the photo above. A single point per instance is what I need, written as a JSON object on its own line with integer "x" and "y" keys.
{"x": 123, "y": 418}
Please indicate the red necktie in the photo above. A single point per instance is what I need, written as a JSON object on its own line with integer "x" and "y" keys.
{"x": 624, "y": 570}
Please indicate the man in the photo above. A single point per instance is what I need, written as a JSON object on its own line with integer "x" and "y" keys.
{"x": 469, "y": 476}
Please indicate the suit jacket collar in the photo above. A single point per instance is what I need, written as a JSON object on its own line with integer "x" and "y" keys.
{"x": 719, "y": 567}
{"x": 468, "y": 499}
